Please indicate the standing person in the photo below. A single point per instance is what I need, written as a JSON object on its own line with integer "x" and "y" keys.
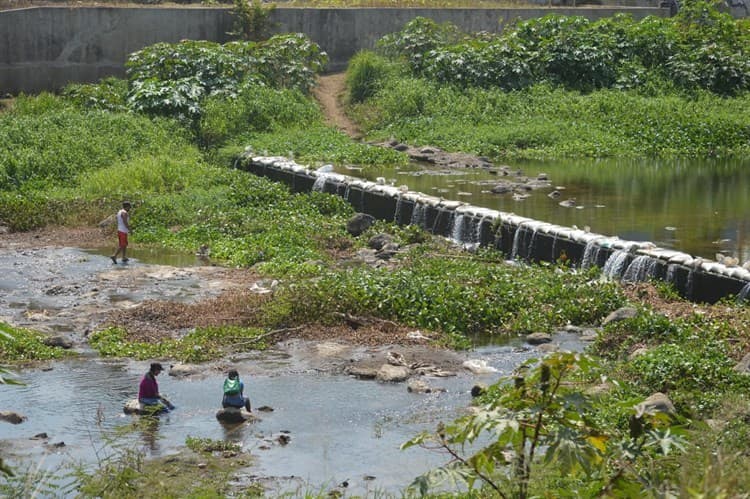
{"x": 148, "y": 391}
{"x": 234, "y": 392}
{"x": 123, "y": 229}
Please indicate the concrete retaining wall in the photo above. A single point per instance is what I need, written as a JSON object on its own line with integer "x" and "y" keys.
{"x": 44, "y": 48}
{"x": 518, "y": 237}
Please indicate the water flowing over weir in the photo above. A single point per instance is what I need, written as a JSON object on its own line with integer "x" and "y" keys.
{"x": 532, "y": 240}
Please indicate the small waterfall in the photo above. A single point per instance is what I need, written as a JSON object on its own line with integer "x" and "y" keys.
{"x": 457, "y": 232}
{"x": 744, "y": 292}
{"x": 671, "y": 273}
{"x": 319, "y": 184}
{"x": 478, "y": 229}
{"x": 615, "y": 264}
{"x": 397, "y": 212}
{"x": 590, "y": 254}
{"x": 640, "y": 269}
{"x": 347, "y": 191}
{"x": 418, "y": 215}
{"x": 523, "y": 242}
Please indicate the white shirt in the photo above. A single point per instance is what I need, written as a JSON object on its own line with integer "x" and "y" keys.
{"x": 121, "y": 227}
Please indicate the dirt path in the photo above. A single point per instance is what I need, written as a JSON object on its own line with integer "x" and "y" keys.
{"x": 329, "y": 93}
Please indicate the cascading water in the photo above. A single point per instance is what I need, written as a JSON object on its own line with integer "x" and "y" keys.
{"x": 744, "y": 292}
{"x": 520, "y": 243}
{"x": 319, "y": 184}
{"x": 397, "y": 211}
{"x": 640, "y": 269}
{"x": 418, "y": 215}
{"x": 458, "y": 229}
{"x": 590, "y": 254}
{"x": 616, "y": 264}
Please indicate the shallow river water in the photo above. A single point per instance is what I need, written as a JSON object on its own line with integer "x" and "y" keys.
{"x": 341, "y": 428}
{"x": 701, "y": 207}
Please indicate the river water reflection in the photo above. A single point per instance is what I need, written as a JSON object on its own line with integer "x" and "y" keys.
{"x": 699, "y": 207}
{"x": 341, "y": 428}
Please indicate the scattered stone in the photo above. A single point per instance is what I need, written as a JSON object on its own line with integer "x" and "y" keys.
{"x": 542, "y": 176}
{"x": 392, "y": 374}
{"x": 183, "y": 370}
{"x": 379, "y": 241}
{"x": 548, "y": 347}
{"x": 40, "y": 436}
{"x": 12, "y": 417}
{"x": 743, "y": 366}
{"x": 478, "y": 366}
{"x": 233, "y": 415}
{"x": 589, "y": 335}
{"x": 283, "y": 439}
{"x": 359, "y": 223}
{"x": 658, "y": 402}
{"x": 388, "y": 251}
{"x": 265, "y": 408}
{"x": 368, "y": 478}
{"x": 538, "y": 338}
{"x": 132, "y": 406}
{"x": 362, "y": 372}
{"x": 554, "y": 194}
{"x": 620, "y": 315}
{"x": 401, "y": 147}
{"x": 418, "y": 386}
{"x": 416, "y": 335}
{"x": 395, "y": 359}
{"x": 58, "y": 445}
{"x": 58, "y": 341}
{"x": 478, "y": 390}
{"x": 573, "y": 329}
{"x": 568, "y": 203}
{"x": 637, "y": 352}
{"x": 202, "y": 465}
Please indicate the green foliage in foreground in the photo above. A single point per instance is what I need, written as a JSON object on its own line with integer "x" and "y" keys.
{"x": 200, "y": 345}
{"x": 692, "y": 358}
{"x": 535, "y": 422}
{"x": 461, "y": 297}
{"x": 19, "y": 344}
{"x": 547, "y": 122}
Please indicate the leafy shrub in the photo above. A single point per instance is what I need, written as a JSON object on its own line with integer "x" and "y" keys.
{"x": 19, "y": 344}
{"x": 109, "y": 94}
{"x": 365, "y": 74}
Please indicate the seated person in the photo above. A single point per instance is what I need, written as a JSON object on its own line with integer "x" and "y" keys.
{"x": 148, "y": 391}
{"x": 234, "y": 392}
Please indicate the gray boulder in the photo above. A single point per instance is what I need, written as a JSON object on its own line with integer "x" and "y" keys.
{"x": 743, "y": 366}
{"x": 377, "y": 242}
{"x": 392, "y": 374}
{"x": 620, "y": 315}
{"x": 58, "y": 341}
{"x": 658, "y": 402}
{"x": 359, "y": 223}
{"x": 233, "y": 415}
{"x": 538, "y": 338}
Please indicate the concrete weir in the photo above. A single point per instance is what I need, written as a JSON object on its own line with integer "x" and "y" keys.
{"x": 697, "y": 279}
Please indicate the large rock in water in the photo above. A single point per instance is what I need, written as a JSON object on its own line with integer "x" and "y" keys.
{"x": 233, "y": 415}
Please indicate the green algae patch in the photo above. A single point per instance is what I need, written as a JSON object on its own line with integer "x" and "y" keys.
{"x": 200, "y": 345}
{"x": 21, "y": 345}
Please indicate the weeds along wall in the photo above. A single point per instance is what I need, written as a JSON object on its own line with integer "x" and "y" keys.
{"x": 44, "y": 48}
{"x": 517, "y": 237}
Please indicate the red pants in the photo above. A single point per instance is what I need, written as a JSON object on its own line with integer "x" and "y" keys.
{"x": 122, "y": 237}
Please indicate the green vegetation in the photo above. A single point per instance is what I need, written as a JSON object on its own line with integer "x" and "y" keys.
{"x": 200, "y": 345}
{"x": 23, "y": 345}
{"x": 167, "y": 137}
{"x": 656, "y": 87}
{"x": 210, "y": 445}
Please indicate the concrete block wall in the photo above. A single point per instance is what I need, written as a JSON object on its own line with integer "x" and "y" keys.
{"x": 517, "y": 237}
{"x": 45, "y": 48}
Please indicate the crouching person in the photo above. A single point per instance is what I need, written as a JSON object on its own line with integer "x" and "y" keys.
{"x": 234, "y": 389}
{"x": 148, "y": 391}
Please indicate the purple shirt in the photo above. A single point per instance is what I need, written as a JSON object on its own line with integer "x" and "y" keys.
{"x": 149, "y": 389}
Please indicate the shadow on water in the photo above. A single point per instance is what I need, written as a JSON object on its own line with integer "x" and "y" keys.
{"x": 341, "y": 428}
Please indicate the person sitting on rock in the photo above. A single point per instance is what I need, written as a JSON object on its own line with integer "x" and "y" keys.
{"x": 234, "y": 392}
{"x": 148, "y": 391}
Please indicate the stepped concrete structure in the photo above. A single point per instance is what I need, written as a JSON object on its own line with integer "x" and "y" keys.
{"x": 517, "y": 237}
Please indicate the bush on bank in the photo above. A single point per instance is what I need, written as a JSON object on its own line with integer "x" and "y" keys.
{"x": 563, "y": 87}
